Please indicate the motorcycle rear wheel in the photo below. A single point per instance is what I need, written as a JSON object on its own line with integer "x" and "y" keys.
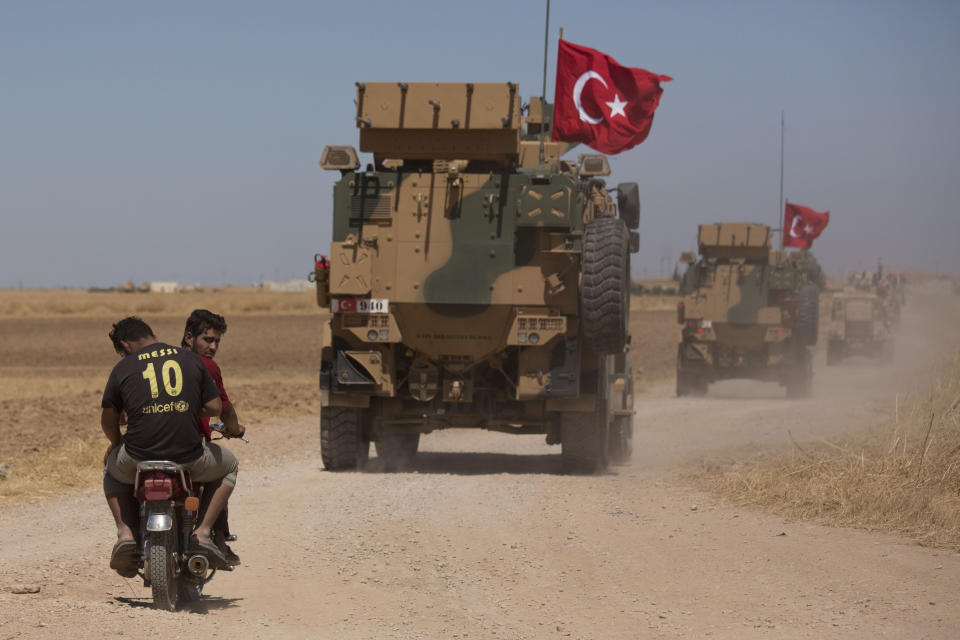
{"x": 163, "y": 571}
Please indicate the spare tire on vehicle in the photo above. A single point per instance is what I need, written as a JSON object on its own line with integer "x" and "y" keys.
{"x": 605, "y": 295}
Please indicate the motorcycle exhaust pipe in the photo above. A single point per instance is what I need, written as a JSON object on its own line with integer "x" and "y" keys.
{"x": 198, "y": 565}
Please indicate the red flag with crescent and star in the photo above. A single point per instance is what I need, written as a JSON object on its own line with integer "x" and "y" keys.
{"x": 802, "y": 225}
{"x": 601, "y": 103}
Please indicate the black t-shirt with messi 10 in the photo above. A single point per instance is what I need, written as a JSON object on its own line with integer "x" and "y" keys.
{"x": 162, "y": 389}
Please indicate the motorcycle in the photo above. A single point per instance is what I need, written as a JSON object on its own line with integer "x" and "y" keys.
{"x": 168, "y": 513}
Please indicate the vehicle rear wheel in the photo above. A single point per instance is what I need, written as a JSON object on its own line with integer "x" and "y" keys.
{"x": 343, "y": 444}
{"x": 605, "y": 294}
{"x": 620, "y": 445}
{"x": 807, "y": 314}
{"x": 688, "y": 382}
{"x": 834, "y": 352}
{"x": 799, "y": 378}
{"x": 397, "y": 450}
{"x": 584, "y": 438}
{"x": 162, "y": 568}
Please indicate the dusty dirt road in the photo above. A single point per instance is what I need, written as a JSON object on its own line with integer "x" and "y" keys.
{"x": 484, "y": 539}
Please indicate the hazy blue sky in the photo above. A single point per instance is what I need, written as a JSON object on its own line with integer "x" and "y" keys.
{"x": 179, "y": 140}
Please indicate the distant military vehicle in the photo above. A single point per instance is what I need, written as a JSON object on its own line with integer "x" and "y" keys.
{"x": 747, "y": 311}
{"x": 475, "y": 280}
{"x": 861, "y": 321}
{"x": 892, "y": 291}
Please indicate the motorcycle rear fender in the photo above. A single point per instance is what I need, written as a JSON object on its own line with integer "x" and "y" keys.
{"x": 159, "y": 518}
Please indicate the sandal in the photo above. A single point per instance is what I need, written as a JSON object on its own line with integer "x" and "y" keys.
{"x": 125, "y": 558}
{"x": 208, "y": 549}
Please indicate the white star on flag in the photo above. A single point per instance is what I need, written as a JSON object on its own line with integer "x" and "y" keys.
{"x": 616, "y": 107}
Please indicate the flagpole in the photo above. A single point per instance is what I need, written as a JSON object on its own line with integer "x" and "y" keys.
{"x": 781, "y": 215}
{"x": 543, "y": 94}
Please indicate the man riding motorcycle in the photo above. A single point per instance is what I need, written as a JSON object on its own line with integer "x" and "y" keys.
{"x": 163, "y": 390}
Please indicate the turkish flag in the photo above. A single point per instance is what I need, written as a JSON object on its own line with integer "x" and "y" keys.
{"x": 597, "y": 101}
{"x": 801, "y": 225}
{"x": 344, "y": 305}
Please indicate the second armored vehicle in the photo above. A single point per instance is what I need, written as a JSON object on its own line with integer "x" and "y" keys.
{"x": 747, "y": 312}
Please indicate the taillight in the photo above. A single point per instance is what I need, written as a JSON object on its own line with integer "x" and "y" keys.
{"x": 157, "y": 489}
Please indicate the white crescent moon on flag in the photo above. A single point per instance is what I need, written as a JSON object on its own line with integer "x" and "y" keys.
{"x": 797, "y": 226}
{"x": 578, "y": 89}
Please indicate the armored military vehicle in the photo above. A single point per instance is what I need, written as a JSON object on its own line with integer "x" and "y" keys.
{"x": 747, "y": 311}
{"x": 475, "y": 280}
{"x": 860, "y": 322}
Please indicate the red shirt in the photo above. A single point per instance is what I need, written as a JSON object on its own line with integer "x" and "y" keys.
{"x": 214, "y": 370}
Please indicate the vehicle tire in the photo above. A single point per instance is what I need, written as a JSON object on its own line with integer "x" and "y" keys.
{"x": 343, "y": 444}
{"x": 162, "y": 547}
{"x": 585, "y": 437}
{"x": 799, "y": 378}
{"x": 700, "y": 387}
{"x": 397, "y": 450}
{"x": 605, "y": 296}
{"x": 834, "y": 352}
{"x": 806, "y": 314}
{"x": 620, "y": 444}
{"x": 583, "y": 442}
{"x": 688, "y": 382}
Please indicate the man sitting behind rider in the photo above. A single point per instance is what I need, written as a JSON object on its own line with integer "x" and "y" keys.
{"x": 163, "y": 390}
{"x": 202, "y": 335}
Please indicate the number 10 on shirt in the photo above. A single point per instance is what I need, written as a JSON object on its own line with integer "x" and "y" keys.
{"x": 172, "y": 377}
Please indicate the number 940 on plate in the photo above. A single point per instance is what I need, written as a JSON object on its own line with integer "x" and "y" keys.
{"x": 360, "y": 305}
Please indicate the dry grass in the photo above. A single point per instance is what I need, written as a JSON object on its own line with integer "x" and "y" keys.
{"x": 76, "y": 461}
{"x": 654, "y": 303}
{"x": 903, "y": 477}
{"x": 73, "y": 465}
{"x": 230, "y": 301}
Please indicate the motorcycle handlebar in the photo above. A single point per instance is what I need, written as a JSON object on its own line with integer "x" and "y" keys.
{"x": 219, "y": 427}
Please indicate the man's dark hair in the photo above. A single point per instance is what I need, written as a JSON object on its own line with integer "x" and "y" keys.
{"x": 129, "y": 329}
{"x": 200, "y": 320}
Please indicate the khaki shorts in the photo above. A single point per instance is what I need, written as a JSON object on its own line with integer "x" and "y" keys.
{"x": 216, "y": 463}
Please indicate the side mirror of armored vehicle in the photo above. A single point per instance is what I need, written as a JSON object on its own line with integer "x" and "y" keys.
{"x": 628, "y": 202}
{"x": 339, "y": 158}
{"x": 688, "y": 257}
